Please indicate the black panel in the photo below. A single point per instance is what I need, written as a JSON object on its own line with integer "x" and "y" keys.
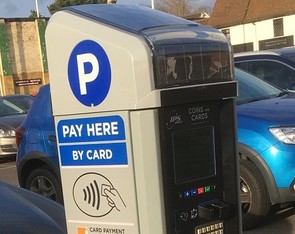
{"x": 199, "y": 93}
{"x": 199, "y": 166}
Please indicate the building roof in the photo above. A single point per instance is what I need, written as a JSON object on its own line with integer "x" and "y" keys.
{"x": 235, "y": 12}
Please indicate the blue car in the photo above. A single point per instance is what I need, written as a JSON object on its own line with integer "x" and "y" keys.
{"x": 266, "y": 147}
{"x": 24, "y": 212}
{"x": 276, "y": 66}
{"x": 37, "y": 156}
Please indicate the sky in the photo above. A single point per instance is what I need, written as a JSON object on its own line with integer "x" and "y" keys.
{"x": 21, "y": 8}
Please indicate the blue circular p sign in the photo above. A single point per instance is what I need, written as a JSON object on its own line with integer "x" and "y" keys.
{"x": 89, "y": 73}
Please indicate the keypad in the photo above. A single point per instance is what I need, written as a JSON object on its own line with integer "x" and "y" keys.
{"x": 211, "y": 228}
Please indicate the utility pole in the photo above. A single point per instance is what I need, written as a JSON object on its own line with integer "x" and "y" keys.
{"x": 37, "y": 8}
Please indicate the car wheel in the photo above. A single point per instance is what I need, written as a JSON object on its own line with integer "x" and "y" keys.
{"x": 255, "y": 201}
{"x": 44, "y": 182}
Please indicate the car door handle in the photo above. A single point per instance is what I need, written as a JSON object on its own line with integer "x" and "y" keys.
{"x": 52, "y": 138}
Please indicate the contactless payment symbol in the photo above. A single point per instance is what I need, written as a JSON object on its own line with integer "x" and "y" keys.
{"x": 95, "y": 195}
{"x": 89, "y": 73}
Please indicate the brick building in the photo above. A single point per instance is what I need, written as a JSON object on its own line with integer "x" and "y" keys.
{"x": 23, "y": 63}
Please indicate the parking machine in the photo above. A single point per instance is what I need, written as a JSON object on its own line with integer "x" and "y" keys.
{"x": 144, "y": 108}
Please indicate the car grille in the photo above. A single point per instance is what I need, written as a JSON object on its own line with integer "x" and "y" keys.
{"x": 9, "y": 148}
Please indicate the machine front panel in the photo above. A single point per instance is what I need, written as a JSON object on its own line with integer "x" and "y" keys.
{"x": 192, "y": 168}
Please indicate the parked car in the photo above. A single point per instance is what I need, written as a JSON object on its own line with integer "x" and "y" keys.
{"x": 37, "y": 157}
{"x": 10, "y": 114}
{"x": 23, "y": 101}
{"x": 266, "y": 147}
{"x": 276, "y": 66}
{"x": 22, "y": 211}
{"x": 11, "y": 117}
{"x": 7, "y": 141}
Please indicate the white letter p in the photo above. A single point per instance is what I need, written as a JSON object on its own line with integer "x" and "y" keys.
{"x": 85, "y": 78}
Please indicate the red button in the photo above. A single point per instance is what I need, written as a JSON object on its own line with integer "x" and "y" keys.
{"x": 200, "y": 190}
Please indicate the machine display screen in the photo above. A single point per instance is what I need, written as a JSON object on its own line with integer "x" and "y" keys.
{"x": 194, "y": 154}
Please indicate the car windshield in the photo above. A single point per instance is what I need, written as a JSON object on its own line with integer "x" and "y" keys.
{"x": 8, "y": 108}
{"x": 253, "y": 89}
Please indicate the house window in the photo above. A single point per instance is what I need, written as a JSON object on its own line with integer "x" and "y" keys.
{"x": 278, "y": 27}
{"x": 226, "y": 32}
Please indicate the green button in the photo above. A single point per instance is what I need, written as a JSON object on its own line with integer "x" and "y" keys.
{"x": 207, "y": 189}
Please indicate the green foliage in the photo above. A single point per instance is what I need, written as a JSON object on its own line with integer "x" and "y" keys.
{"x": 34, "y": 15}
{"x": 58, "y": 4}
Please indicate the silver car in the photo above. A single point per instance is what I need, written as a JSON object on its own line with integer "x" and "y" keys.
{"x": 11, "y": 117}
{"x": 7, "y": 141}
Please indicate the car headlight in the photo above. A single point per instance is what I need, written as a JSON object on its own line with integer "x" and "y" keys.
{"x": 7, "y": 133}
{"x": 284, "y": 134}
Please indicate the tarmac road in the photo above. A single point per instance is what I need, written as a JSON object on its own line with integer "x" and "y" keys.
{"x": 282, "y": 222}
{"x": 8, "y": 170}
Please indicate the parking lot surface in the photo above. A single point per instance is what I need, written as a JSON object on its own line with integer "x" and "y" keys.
{"x": 281, "y": 222}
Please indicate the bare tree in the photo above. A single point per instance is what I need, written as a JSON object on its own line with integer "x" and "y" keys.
{"x": 180, "y": 7}
{"x": 175, "y": 7}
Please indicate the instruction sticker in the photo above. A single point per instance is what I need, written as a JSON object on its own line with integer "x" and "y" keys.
{"x": 92, "y": 141}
